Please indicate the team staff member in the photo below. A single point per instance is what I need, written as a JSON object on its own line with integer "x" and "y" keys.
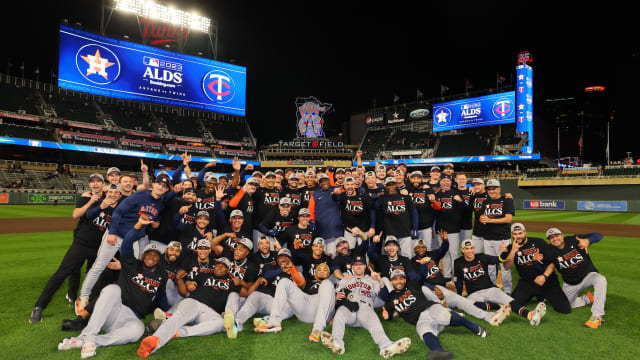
{"x": 325, "y": 215}
{"x": 496, "y": 216}
{"x": 94, "y": 213}
{"x": 357, "y": 210}
{"x": 571, "y": 257}
{"x": 422, "y": 196}
{"x": 531, "y": 257}
{"x": 121, "y": 306}
{"x": 449, "y": 205}
{"x": 399, "y": 217}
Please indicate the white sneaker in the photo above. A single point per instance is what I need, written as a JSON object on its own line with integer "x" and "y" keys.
{"x": 397, "y": 347}
{"x": 88, "y": 350}
{"x": 328, "y": 342}
{"x": 499, "y": 316}
{"x": 70, "y": 343}
{"x": 538, "y": 313}
{"x": 159, "y": 314}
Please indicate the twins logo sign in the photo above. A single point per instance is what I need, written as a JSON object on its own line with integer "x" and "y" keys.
{"x": 218, "y": 86}
{"x": 503, "y": 108}
{"x": 98, "y": 64}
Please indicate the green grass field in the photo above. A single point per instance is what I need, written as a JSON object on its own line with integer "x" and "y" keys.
{"x": 29, "y": 259}
{"x": 31, "y": 211}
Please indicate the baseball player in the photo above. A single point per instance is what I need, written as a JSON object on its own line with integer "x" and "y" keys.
{"x": 448, "y": 203}
{"x": 94, "y": 213}
{"x": 243, "y": 201}
{"x": 277, "y": 220}
{"x": 150, "y": 202}
{"x": 311, "y": 261}
{"x": 267, "y": 199}
{"x": 385, "y": 264}
{"x": 264, "y": 255}
{"x": 355, "y": 308}
{"x": 234, "y": 230}
{"x": 466, "y": 215}
{"x": 291, "y": 191}
{"x": 199, "y": 313}
{"x": 300, "y": 235}
{"x": 399, "y": 216}
{"x": 121, "y": 306}
{"x": 381, "y": 173}
{"x": 312, "y": 302}
{"x": 478, "y": 197}
{"x": 191, "y": 233}
{"x": 341, "y": 267}
{"x": 429, "y": 317}
{"x": 422, "y": 196}
{"x": 171, "y": 263}
{"x": 434, "y": 178}
{"x": 310, "y": 185}
{"x": 357, "y": 210}
{"x": 531, "y": 257}
{"x": 472, "y": 271}
{"x": 571, "y": 257}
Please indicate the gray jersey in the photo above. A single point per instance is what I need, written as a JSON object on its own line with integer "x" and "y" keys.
{"x": 364, "y": 290}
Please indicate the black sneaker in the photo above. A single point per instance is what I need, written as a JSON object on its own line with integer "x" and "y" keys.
{"x": 440, "y": 355}
{"x": 36, "y": 315}
{"x": 151, "y": 327}
{"x": 70, "y": 300}
{"x": 73, "y": 325}
{"x": 482, "y": 332}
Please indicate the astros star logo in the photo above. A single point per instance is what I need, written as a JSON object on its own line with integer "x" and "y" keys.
{"x": 442, "y": 117}
{"x": 97, "y": 64}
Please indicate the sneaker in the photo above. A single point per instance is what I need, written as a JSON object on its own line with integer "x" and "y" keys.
{"x": 589, "y": 294}
{"x": 261, "y": 321}
{"x": 76, "y": 324}
{"x": 81, "y": 303}
{"x": 36, "y": 315}
{"x": 152, "y": 326}
{"x": 230, "y": 325}
{"x": 70, "y": 300}
{"x": 499, "y": 316}
{"x": 88, "y": 350}
{"x": 593, "y": 322}
{"x": 329, "y": 343}
{"x": 397, "y": 347}
{"x": 147, "y": 346}
{"x": 314, "y": 336}
{"x": 440, "y": 355}
{"x": 267, "y": 328}
{"x": 482, "y": 332}
{"x": 159, "y": 314}
{"x": 538, "y": 313}
{"x": 70, "y": 343}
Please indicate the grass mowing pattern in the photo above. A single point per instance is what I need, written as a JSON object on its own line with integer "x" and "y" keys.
{"x": 30, "y": 259}
{"x": 35, "y": 211}
{"x": 578, "y": 216}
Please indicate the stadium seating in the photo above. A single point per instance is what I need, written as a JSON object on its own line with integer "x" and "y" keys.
{"x": 232, "y": 130}
{"x": 181, "y": 125}
{"x": 542, "y": 173}
{"x": 128, "y": 117}
{"x": 464, "y": 144}
{"x": 18, "y": 99}
{"x": 26, "y": 132}
{"x": 71, "y": 106}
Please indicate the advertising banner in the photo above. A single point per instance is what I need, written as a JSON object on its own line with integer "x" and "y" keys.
{"x": 602, "y": 205}
{"x": 37, "y": 198}
{"x": 544, "y": 204}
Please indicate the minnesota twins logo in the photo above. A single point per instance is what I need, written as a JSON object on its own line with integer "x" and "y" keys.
{"x": 98, "y": 64}
{"x": 218, "y": 86}
{"x": 502, "y": 108}
{"x": 442, "y": 116}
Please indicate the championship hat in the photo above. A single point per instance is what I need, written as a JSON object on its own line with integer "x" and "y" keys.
{"x": 204, "y": 213}
{"x": 256, "y": 173}
{"x": 285, "y": 200}
{"x": 322, "y": 177}
{"x": 96, "y": 175}
{"x": 466, "y": 243}
{"x": 518, "y": 226}
{"x": 389, "y": 180}
{"x": 269, "y": 174}
{"x": 477, "y": 181}
{"x": 236, "y": 212}
{"x": 152, "y": 247}
{"x": 397, "y": 272}
{"x": 204, "y": 243}
{"x": 493, "y": 183}
{"x": 416, "y": 173}
{"x": 114, "y": 187}
{"x": 252, "y": 180}
{"x": 390, "y": 238}
{"x": 112, "y": 170}
{"x": 553, "y": 231}
{"x": 435, "y": 168}
{"x": 318, "y": 240}
{"x": 246, "y": 242}
{"x": 175, "y": 244}
{"x": 286, "y": 252}
{"x": 304, "y": 211}
{"x": 225, "y": 261}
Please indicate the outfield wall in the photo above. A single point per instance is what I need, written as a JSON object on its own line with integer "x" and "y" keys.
{"x": 36, "y": 198}
{"x": 599, "y": 195}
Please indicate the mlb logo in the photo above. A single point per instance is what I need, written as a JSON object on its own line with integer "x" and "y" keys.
{"x": 151, "y": 61}
{"x": 465, "y": 107}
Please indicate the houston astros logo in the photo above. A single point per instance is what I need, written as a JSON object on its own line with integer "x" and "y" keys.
{"x": 98, "y": 64}
{"x": 442, "y": 116}
{"x": 218, "y": 86}
{"x": 502, "y": 108}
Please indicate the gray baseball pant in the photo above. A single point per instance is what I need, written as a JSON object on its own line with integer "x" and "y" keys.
{"x": 478, "y": 243}
{"x": 433, "y": 320}
{"x": 172, "y": 294}
{"x": 205, "y": 320}
{"x": 452, "y": 254}
{"x": 365, "y": 317}
{"x": 492, "y": 247}
{"x": 105, "y": 253}
{"x": 118, "y": 322}
{"x": 353, "y": 240}
{"x": 455, "y": 301}
{"x": 599, "y": 284}
{"x": 291, "y": 300}
{"x": 427, "y": 237}
{"x": 492, "y": 294}
{"x": 143, "y": 242}
{"x": 257, "y": 303}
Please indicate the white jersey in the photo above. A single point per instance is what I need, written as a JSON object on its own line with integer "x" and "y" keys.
{"x": 363, "y": 290}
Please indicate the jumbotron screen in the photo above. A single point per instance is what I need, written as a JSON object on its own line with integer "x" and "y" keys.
{"x": 495, "y": 109}
{"x": 109, "y": 67}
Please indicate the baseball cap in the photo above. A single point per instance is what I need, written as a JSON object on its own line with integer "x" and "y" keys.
{"x": 278, "y": 171}
{"x": 370, "y": 174}
{"x": 447, "y": 177}
{"x": 399, "y": 171}
{"x": 188, "y": 190}
{"x": 236, "y": 212}
{"x": 448, "y": 165}
{"x": 466, "y": 243}
{"x": 153, "y": 247}
{"x": 270, "y": 174}
{"x": 163, "y": 179}
{"x": 477, "y": 181}
{"x": 285, "y": 251}
{"x": 389, "y": 180}
{"x": 193, "y": 175}
{"x": 204, "y": 243}
{"x": 114, "y": 187}
{"x": 389, "y": 239}
{"x": 293, "y": 176}
{"x": 113, "y": 169}
{"x": 435, "y": 168}
{"x": 96, "y": 175}
{"x": 379, "y": 166}
{"x": 310, "y": 172}
{"x": 203, "y": 213}
{"x": 339, "y": 170}
{"x": 349, "y": 179}
{"x": 419, "y": 243}
{"x": 553, "y": 231}
{"x": 252, "y": 180}
{"x": 397, "y": 272}
{"x": 517, "y": 226}
{"x": 211, "y": 177}
{"x": 416, "y": 173}
{"x": 175, "y": 244}
{"x": 285, "y": 200}
{"x": 225, "y": 261}
{"x": 318, "y": 240}
{"x": 358, "y": 259}
{"x": 493, "y": 183}
{"x": 323, "y": 176}
{"x": 246, "y": 242}
{"x": 340, "y": 239}
{"x": 256, "y": 173}
{"x": 304, "y": 211}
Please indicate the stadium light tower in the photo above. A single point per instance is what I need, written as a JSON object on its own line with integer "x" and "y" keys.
{"x": 148, "y": 10}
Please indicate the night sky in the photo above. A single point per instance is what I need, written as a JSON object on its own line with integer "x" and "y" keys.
{"x": 349, "y": 52}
